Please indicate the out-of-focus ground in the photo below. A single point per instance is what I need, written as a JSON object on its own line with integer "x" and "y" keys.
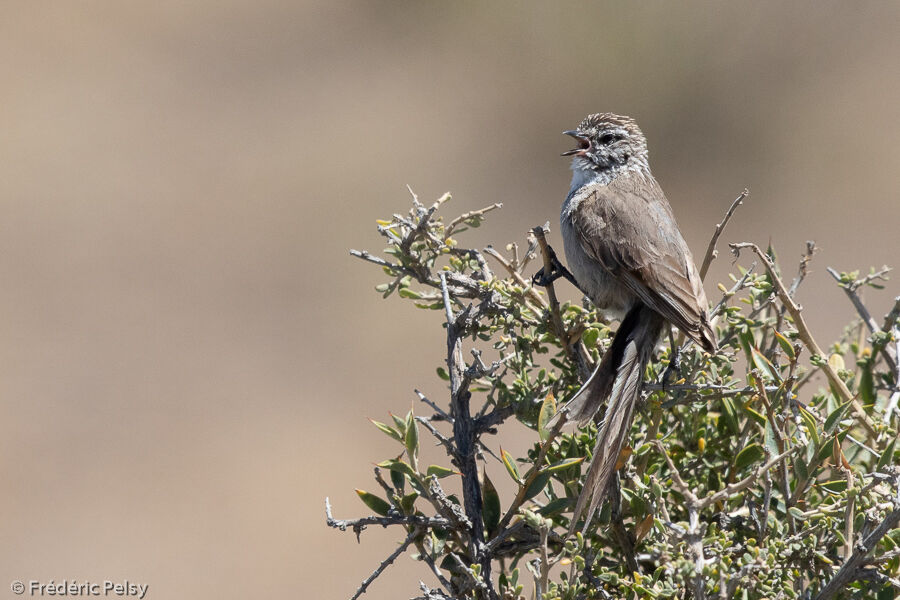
{"x": 187, "y": 351}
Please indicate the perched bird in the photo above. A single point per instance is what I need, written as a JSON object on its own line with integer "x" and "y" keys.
{"x": 627, "y": 255}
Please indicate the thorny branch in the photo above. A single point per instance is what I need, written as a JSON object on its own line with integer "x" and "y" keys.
{"x": 806, "y": 335}
{"x": 386, "y": 562}
{"x": 852, "y": 567}
{"x": 465, "y": 436}
{"x": 888, "y": 351}
{"x": 575, "y": 352}
{"x": 358, "y": 525}
{"x": 711, "y": 251}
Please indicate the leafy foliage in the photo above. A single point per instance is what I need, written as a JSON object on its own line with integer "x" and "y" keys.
{"x": 746, "y": 478}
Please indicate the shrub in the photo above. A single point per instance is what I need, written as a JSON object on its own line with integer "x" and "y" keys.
{"x": 743, "y": 479}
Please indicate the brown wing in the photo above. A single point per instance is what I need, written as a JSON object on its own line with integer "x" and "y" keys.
{"x": 628, "y": 227}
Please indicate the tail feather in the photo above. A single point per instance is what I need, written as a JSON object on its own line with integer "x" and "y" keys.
{"x": 587, "y": 401}
{"x": 618, "y": 377}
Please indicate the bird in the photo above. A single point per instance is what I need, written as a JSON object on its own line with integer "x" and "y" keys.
{"x": 626, "y": 254}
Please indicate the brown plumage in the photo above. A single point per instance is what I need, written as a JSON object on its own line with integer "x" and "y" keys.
{"x": 625, "y": 251}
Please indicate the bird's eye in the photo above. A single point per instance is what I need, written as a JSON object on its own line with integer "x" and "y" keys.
{"x": 608, "y": 138}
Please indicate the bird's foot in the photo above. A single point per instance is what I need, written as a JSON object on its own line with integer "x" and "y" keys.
{"x": 557, "y": 270}
{"x": 673, "y": 371}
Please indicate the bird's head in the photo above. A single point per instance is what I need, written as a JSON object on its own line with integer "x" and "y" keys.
{"x": 607, "y": 143}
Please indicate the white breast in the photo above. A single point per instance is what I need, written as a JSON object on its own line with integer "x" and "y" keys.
{"x": 604, "y": 291}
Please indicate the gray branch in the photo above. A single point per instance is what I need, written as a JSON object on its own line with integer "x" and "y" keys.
{"x": 852, "y": 567}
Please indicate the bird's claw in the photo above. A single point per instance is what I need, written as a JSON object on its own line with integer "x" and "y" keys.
{"x": 672, "y": 372}
{"x": 557, "y": 270}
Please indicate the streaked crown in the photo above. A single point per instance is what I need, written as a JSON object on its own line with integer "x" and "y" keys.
{"x": 607, "y": 142}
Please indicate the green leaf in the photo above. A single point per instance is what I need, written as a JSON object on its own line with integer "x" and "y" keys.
{"x": 401, "y": 425}
{"x": 440, "y": 472}
{"x": 796, "y": 513}
{"x": 379, "y": 506}
{"x": 590, "y": 337}
{"x": 756, "y": 416}
{"x": 412, "y": 437}
{"x": 867, "y": 384}
{"x": 398, "y": 479}
{"x": 771, "y": 440}
{"x": 749, "y": 455}
{"x": 729, "y": 414}
{"x": 537, "y": 485}
{"x": 564, "y": 464}
{"x": 811, "y": 425}
{"x": 399, "y": 466}
{"x": 491, "y": 500}
{"x": 786, "y": 345}
{"x": 388, "y": 430}
{"x": 554, "y": 506}
{"x": 442, "y": 373}
{"x": 835, "y": 417}
{"x": 747, "y": 342}
{"x": 510, "y": 465}
{"x": 407, "y": 503}
{"x": 827, "y": 448}
{"x": 835, "y": 487}
{"x": 762, "y": 363}
{"x": 548, "y": 409}
{"x": 887, "y": 456}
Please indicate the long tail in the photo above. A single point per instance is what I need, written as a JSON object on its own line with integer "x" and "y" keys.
{"x": 618, "y": 377}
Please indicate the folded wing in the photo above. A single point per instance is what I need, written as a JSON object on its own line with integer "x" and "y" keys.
{"x": 633, "y": 235}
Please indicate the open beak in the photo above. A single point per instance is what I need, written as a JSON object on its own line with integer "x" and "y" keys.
{"x": 584, "y": 144}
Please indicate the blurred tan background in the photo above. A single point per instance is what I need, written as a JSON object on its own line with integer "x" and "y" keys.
{"x": 187, "y": 351}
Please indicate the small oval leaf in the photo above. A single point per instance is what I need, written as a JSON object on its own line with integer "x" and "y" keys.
{"x": 749, "y": 455}
{"x": 378, "y": 505}
{"x": 440, "y": 472}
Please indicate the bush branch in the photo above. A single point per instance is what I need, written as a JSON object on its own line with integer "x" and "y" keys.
{"x": 852, "y": 567}
{"x": 711, "y": 252}
{"x": 807, "y": 337}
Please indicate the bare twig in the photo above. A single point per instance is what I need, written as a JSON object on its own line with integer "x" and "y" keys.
{"x": 888, "y": 351}
{"x": 385, "y": 563}
{"x": 694, "y": 534}
{"x": 494, "y": 418}
{"x": 466, "y": 216}
{"x": 448, "y": 445}
{"x": 365, "y": 255}
{"x": 848, "y": 517}
{"x": 437, "y": 409}
{"x": 430, "y": 594}
{"x": 576, "y": 354}
{"x": 851, "y": 568}
{"x": 422, "y": 225}
{"x": 890, "y": 319}
{"x": 360, "y": 524}
{"x": 803, "y": 269}
{"x": 545, "y": 555}
{"x": 532, "y": 293}
{"x": 743, "y": 484}
{"x": 711, "y": 252}
{"x": 540, "y": 233}
{"x": 428, "y": 560}
{"x": 806, "y": 336}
